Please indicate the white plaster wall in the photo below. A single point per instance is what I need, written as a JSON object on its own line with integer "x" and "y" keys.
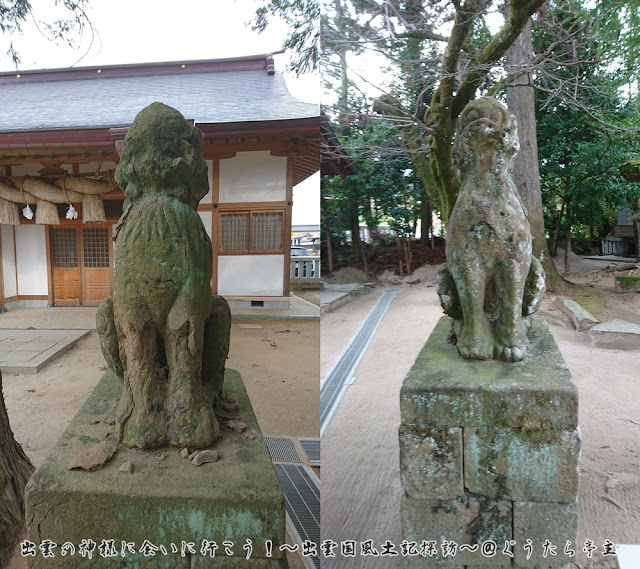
{"x": 31, "y": 256}
{"x": 93, "y": 166}
{"x": 32, "y": 169}
{"x": 306, "y": 202}
{"x": 207, "y": 198}
{"x": 8, "y": 262}
{"x": 253, "y": 177}
{"x": 206, "y": 217}
{"x": 250, "y": 275}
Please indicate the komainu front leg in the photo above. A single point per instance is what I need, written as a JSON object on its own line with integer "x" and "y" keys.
{"x": 140, "y": 417}
{"x": 106, "y": 326}
{"x": 510, "y": 333}
{"x": 534, "y": 288}
{"x": 217, "y": 332}
{"x": 191, "y": 419}
{"x": 476, "y": 339}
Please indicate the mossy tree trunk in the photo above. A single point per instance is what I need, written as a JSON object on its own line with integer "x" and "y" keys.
{"x": 452, "y": 95}
{"x": 15, "y": 470}
{"x": 526, "y": 173}
{"x": 425, "y": 218}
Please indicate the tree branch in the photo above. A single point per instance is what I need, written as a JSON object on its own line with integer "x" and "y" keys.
{"x": 519, "y": 12}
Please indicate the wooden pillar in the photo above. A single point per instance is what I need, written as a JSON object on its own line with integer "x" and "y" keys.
{"x": 215, "y": 222}
{"x": 287, "y": 229}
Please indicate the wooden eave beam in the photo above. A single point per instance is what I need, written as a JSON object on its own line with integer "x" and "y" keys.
{"x": 56, "y": 140}
{"x": 81, "y": 156}
{"x": 291, "y": 127}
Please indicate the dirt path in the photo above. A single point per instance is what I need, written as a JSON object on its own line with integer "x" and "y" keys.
{"x": 361, "y": 488}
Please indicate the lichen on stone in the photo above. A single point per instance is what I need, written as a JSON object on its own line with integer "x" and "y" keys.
{"x": 491, "y": 283}
{"x": 163, "y": 332}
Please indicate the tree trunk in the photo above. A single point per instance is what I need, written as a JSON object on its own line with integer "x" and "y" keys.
{"x": 425, "y": 218}
{"x": 556, "y": 234}
{"x": 343, "y": 94}
{"x": 15, "y": 470}
{"x": 526, "y": 173}
{"x": 327, "y": 232}
{"x": 567, "y": 249}
{"x": 354, "y": 225}
{"x": 432, "y": 236}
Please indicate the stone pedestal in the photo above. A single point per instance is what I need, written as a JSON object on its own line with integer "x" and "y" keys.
{"x": 167, "y": 501}
{"x": 489, "y": 452}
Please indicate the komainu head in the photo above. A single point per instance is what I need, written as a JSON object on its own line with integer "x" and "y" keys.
{"x": 485, "y": 127}
{"x": 162, "y": 154}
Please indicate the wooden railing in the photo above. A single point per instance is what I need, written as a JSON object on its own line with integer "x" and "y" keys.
{"x": 305, "y": 270}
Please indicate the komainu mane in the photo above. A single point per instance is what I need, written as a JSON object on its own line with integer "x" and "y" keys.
{"x": 162, "y": 332}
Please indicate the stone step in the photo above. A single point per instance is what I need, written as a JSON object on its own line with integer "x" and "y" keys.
{"x": 617, "y": 334}
{"x": 580, "y": 318}
{"x": 627, "y": 283}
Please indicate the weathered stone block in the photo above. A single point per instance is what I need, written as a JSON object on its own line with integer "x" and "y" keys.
{"x": 165, "y": 500}
{"x": 580, "y": 318}
{"x": 431, "y": 463}
{"x": 433, "y": 520}
{"x": 444, "y": 390}
{"x": 519, "y": 424}
{"x": 557, "y": 523}
{"x": 466, "y": 520}
{"x": 616, "y": 334}
{"x": 535, "y": 463}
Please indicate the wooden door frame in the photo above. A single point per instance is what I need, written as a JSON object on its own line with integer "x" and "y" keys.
{"x": 78, "y": 226}
{"x": 81, "y": 228}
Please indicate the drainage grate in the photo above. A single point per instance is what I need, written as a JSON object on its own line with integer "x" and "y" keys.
{"x": 302, "y": 497}
{"x": 282, "y": 449}
{"x": 312, "y": 449}
{"x": 336, "y": 381}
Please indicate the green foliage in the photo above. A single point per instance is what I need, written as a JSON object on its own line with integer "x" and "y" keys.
{"x": 303, "y": 19}
{"x": 579, "y": 166}
{"x": 618, "y": 23}
{"x": 589, "y": 125}
{"x": 68, "y": 27}
{"x": 386, "y": 189}
{"x": 12, "y": 15}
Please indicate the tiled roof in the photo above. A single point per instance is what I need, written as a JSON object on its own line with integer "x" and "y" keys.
{"x": 113, "y": 101}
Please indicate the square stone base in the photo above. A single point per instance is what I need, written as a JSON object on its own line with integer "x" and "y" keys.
{"x": 166, "y": 501}
{"x": 489, "y": 452}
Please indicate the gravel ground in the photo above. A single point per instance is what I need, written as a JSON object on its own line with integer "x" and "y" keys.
{"x": 67, "y": 318}
{"x": 84, "y": 317}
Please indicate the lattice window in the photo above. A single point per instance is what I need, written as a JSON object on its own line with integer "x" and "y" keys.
{"x": 234, "y": 232}
{"x": 64, "y": 247}
{"x": 246, "y": 232}
{"x": 266, "y": 231}
{"x": 96, "y": 247}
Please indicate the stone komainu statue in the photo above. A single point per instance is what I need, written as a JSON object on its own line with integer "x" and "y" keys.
{"x": 162, "y": 332}
{"x": 491, "y": 283}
